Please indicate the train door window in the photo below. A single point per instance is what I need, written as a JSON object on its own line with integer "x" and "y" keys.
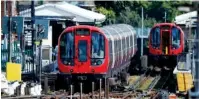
{"x": 110, "y": 46}
{"x": 114, "y": 46}
{"x": 127, "y": 42}
{"x": 131, "y": 43}
{"x": 67, "y": 48}
{"x": 120, "y": 44}
{"x": 135, "y": 40}
{"x": 82, "y": 50}
{"x": 155, "y": 37}
{"x": 110, "y": 52}
{"x": 97, "y": 48}
{"x": 175, "y": 38}
{"x": 123, "y": 43}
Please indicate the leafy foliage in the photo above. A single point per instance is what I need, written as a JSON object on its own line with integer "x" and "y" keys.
{"x": 129, "y": 12}
{"x": 110, "y": 14}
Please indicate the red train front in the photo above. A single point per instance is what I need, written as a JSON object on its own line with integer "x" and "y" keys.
{"x": 166, "y": 41}
{"x": 76, "y": 54}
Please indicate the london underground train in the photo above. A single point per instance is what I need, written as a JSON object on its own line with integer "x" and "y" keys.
{"x": 90, "y": 52}
{"x": 166, "y": 42}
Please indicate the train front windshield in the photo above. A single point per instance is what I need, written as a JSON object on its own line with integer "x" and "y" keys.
{"x": 67, "y": 48}
{"x": 175, "y": 38}
{"x": 97, "y": 48}
{"x": 155, "y": 37}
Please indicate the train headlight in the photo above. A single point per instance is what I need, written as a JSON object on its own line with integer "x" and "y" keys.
{"x": 94, "y": 62}
{"x": 65, "y": 62}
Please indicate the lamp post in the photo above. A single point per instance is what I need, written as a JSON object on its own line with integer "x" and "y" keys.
{"x": 142, "y": 33}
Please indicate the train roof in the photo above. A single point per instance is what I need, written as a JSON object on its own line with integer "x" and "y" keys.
{"x": 159, "y": 24}
{"x": 82, "y": 26}
{"x": 118, "y": 29}
{"x": 171, "y": 24}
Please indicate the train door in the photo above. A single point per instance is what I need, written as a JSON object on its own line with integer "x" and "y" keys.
{"x": 165, "y": 42}
{"x": 82, "y": 48}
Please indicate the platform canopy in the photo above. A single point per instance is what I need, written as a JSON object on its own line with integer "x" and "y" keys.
{"x": 187, "y": 18}
{"x": 65, "y": 9}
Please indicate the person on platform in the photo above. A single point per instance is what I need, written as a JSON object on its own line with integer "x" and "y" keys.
{"x": 55, "y": 53}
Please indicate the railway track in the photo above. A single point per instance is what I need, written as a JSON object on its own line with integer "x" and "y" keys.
{"x": 138, "y": 86}
{"x": 148, "y": 81}
{"x": 144, "y": 85}
{"x": 162, "y": 81}
{"x": 130, "y": 92}
{"x": 112, "y": 95}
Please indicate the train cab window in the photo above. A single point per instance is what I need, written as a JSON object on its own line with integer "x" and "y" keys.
{"x": 175, "y": 38}
{"x": 155, "y": 37}
{"x": 67, "y": 48}
{"x": 97, "y": 48}
{"x": 82, "y": 50}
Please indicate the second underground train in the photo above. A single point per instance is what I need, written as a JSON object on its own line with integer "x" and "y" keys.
{"x": 166, "y": 42}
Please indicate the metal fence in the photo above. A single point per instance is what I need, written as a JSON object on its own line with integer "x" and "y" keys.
{"x": 15, "y": 54}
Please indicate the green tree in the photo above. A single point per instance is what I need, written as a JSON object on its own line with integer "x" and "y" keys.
{"x": 129, "y": 12}
{"x": 110, "y": 14}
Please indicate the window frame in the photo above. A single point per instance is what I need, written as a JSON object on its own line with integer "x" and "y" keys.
{"x": 73, "y": 43}
{"x": 71, "y": 59}
{"x": 92, "y": 43}
{"x": 154, "y": 34}
{"x": 178, "y": 37}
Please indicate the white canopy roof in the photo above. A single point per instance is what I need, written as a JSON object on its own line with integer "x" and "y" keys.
{"x": 185, "y": 18}
{"x": 65, "y": 9}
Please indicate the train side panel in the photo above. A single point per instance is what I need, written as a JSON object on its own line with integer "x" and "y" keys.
{"x": 122, "y": 46}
